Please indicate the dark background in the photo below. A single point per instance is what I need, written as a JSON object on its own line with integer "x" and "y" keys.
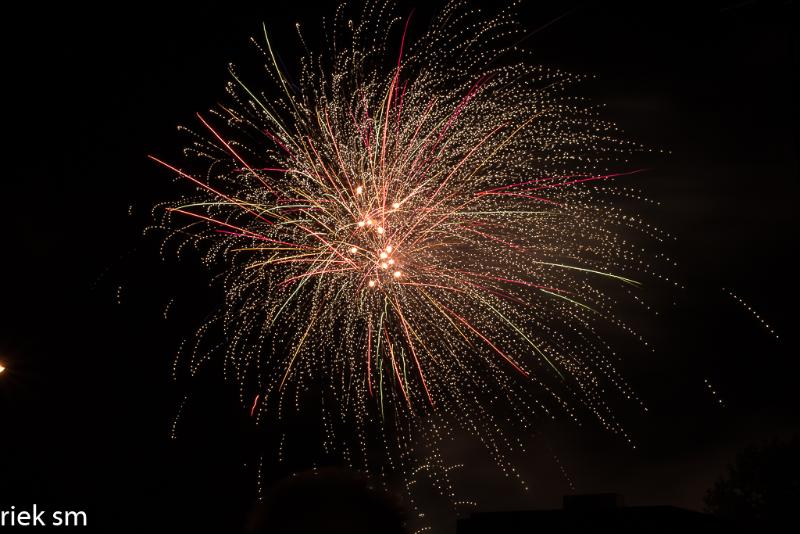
{"x": 87, "y": 402}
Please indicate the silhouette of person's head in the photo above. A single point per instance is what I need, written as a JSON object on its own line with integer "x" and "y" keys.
{"x": 329, "y": 500}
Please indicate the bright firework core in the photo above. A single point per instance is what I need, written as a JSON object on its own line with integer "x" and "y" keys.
{"x": 377, "y": 264}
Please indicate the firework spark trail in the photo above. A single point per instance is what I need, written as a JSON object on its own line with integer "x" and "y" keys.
{"x": 415, "y": 236}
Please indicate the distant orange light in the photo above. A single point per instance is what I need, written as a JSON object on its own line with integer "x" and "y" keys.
{"x": 2, "y": 368}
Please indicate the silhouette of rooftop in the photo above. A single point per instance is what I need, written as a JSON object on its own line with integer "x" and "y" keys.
{"x": 601, "y": 513}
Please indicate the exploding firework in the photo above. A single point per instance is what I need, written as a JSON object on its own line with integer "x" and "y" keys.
{"x": 415, "y": 239}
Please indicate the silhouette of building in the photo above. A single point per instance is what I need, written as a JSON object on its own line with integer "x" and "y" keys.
{"x": 590, "y": 514}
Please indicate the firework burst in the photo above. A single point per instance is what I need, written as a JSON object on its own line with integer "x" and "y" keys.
{"x": 423, "y": 233}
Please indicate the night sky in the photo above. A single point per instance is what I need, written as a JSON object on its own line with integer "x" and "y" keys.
{"x": 87, "y": 401}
